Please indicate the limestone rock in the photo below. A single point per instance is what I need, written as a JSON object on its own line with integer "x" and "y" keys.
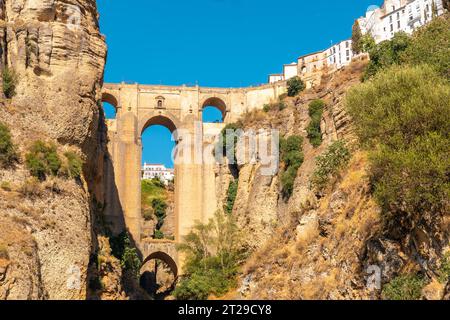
{"x": 434, "y": 291}
{"x": 58, "y": 54}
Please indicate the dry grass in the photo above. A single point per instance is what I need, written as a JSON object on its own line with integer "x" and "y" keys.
{"x": 31, "y": 188}
{"x": 311, "y": 266}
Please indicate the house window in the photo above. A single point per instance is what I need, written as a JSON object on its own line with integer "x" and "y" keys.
{"x": 392, "y": 27}
{"x": 398, "y": 24}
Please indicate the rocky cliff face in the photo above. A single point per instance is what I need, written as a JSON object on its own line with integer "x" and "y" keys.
{"x": 57, "y": 53}
{"x": 318, "y": 246}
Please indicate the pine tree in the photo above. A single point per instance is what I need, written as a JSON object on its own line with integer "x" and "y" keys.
{"x": 356, "y": 38}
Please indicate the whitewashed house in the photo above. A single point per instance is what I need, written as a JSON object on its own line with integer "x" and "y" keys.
{"x": 398, "y": 15}
{"x": 151, "y": 171}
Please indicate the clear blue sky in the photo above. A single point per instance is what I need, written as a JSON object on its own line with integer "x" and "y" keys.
{"x": 223, "y": 43}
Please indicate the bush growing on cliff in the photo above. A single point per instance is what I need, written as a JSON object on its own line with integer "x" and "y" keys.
{"x": 8, "y": 154}
{"x": 295, "y": 86}
{"x": 444, "y": 272}
{"x": 275, "y": 106}
{"x": 407, "y": 287}
{"x": 387, "y": 53}
{"x": 314, "y": 132}
{"x": 159, "y": 209}
{"x": 231, "y": 196}
{"x": 9, "y": 82}
{"x": 428, "y": 45}
{"x": 431, "y": 45}
{"x": 229, "y": 138}
{"x": 402, "y": 117}
{"x": 329, "y": 164}
{"x": 73, "y": 165}
{"x": 122, "y": 249}
{"x": 43, "y": 160}
{"x": 292, "y": 158}
{"x": 213, "y": 255}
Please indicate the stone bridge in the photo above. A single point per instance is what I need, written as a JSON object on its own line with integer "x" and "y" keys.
{"x": 177, "y": 108}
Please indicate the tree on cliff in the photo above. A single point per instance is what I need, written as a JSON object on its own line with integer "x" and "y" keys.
{"x": 356, "y": 38}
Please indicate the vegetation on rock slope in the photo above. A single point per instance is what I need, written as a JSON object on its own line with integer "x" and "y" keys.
{"x": 154, "y": 202}
{"x": 213, "y": 255}
{"x": 402, "y": 116}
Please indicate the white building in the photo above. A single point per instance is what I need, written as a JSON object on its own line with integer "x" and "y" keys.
{"x": 309, "y": 67}
{"x": 340, "y": 54}
{"x": 398, "y": 15}
{"x": 151, "y": 171}
{"x": 290, "y": 70}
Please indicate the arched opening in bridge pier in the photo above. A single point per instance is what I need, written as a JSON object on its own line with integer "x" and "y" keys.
{"x": 158, "y": 179}
{"x": 159, "y": 274}
{"x": 109, "y": 105}
{"x": 214, "y": 111}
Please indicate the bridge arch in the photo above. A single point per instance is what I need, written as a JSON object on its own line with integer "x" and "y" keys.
{"x": 216, "y": 102}
{"x": 165, "y": 119}
{"x": 111, "y": 99}
{"x": 112, "y": 102}
{"x": 166, "y": 258}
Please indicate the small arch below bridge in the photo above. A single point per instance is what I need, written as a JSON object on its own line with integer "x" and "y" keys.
{"x": 159, "y": 270}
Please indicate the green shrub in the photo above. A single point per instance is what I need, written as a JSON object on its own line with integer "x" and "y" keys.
{"x": 287, "y": 181}
{"x": 159, "y": 209}
{"x": 402, "y": 117}
{"x": 444, "y": 272}
{"x": 43, "y": 160}
{"x": 231, "y": 196}
{"x": 275, "y": 106}
{"x": 230, "y": 132}
{"x": 8, "y": 155}
{"x": 367, "y": 43}
{"x": 122, "y": 249}
{"x": 400, "y": 104}
{"x": 295, "y": 86}
{"x": 158, "y": 234}
{"x": 9, "y": 82}
{"x": 411, "y": 182}
{"x": 213, "y": 255}
{"x": 74, "y": 165}
{"x": 329, "y": 164}
{"x": 314, "y": 132}
{"x": 408, "y": 287}
{"x": 386, "y": 54}
{"x": 130, "y": 261}
{"x": 292, "y": 158}
{"x": 431, "y": 45}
